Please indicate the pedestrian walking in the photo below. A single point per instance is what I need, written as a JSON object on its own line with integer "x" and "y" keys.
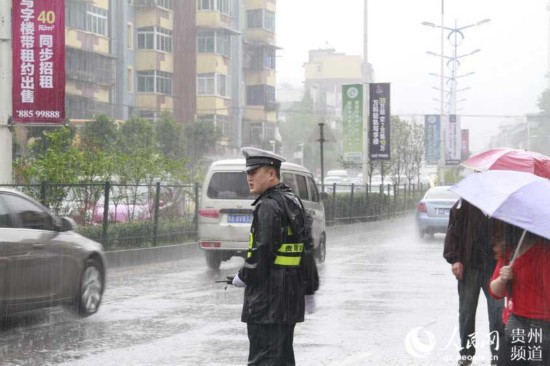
{"x": 468, "y": 249}
{"x": 272, "y": 273}
{"x": 526, "y": 279}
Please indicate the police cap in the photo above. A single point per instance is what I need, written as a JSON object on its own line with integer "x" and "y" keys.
{"x": 256, "y": 158}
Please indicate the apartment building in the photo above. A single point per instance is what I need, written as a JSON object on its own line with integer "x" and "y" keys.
{"x": 201, "y": 60}
{"x": 236, "y": 48}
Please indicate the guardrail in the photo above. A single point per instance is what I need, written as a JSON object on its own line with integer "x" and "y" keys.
{"x": 123, "y": 216}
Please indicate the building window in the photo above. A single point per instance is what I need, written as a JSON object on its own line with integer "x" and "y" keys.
{"x": 154, "y": 81}
{"x": 167, "y": 4}
{"x": 155, "y": 38}
{"x": 214, "y": 42}
{"x": 87, "y": 17}
{"x": 206, "y": 84}
{"x": 269, "y": 20}
{"x": 260, "y": 94}
{"x": 221, "y": 123}
{"x": 130, "y": 79}
{"x": 96, "y": 20}
{"x": 214, "y": 84}
{"x": 130, "y": 36}
{"x": 269, "y": 58}
{"x": 261, "y": 18}
{"x": 254, "y": 18}
{"x": 222, "y": 6}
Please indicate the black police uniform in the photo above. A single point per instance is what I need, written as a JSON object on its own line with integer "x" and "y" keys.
{"x": 274, "y": 293}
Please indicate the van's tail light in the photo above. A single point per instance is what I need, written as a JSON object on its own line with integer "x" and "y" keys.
{"x": 212, "y": 213}
{"x": 210, "y": 244}
{"x": 422, "y": 207}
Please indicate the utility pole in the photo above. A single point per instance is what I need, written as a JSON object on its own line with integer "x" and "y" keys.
{"x": 5, "y": 93}
{"x": 366, "y": 95}
{"x": 321, "y": 142}
{"x": 442, "y": 120}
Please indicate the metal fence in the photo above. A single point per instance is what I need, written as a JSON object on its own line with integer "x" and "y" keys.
{"x": 121, "y": 215}
{"x": 124, "y": 216}
{"x": 349, "y": 203}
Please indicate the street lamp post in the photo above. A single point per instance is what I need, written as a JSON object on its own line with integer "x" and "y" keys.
{"x": 455, "y": 37}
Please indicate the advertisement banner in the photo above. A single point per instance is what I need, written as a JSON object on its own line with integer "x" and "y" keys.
{"x": 432, "y": 137}
{"x": 465, "y": 146}
{"x": 38, "y": 61}
{"x": 379, "y": 121}
{"x": 352, "y": 121}
{"x": 453, "y": 140}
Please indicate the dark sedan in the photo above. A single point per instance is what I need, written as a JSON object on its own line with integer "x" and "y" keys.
{"x": 44, "y": 262}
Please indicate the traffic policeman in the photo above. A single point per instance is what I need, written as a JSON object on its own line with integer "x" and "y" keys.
{"x": 271, "y": 275}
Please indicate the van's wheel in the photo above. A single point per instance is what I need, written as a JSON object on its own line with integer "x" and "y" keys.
{"x": 322, "y": 249}
{"x": 90, "y": 289}
{"x": 213, "y": 259}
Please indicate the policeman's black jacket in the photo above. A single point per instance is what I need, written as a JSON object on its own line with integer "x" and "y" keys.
{"x": 274, "y": 293}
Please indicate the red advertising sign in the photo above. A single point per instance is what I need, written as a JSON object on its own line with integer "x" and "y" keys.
{"x": 39, "y": 61}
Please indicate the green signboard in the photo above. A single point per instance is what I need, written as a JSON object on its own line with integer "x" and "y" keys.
{"x": 352, "y": 118}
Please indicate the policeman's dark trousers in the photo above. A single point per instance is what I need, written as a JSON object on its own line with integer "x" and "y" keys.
{"x": 469, "y": 287}
{"x": 271, "y": 344}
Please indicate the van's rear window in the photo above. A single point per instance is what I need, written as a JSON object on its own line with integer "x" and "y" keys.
{"x": 229, "y": 185}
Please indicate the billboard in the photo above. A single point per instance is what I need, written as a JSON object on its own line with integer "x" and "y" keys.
{"x": 432, "y": 138}
{"x": 379, "y": 121}
{"x": 352, "y": 123}
{"x": 38, "y": 61}
{"x": 453, "y": 140}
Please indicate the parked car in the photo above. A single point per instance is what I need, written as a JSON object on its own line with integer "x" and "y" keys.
{"x": 225, "y": 211}
{"x": 432, "y": 212}
{"x": 44, "y": 262}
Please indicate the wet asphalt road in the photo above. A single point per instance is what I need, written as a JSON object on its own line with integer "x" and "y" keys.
{"x": 386, "y": 298}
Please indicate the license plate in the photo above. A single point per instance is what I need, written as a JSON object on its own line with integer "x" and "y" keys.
{"x": 442, "y": 211}
{"x": 239, "y": 219}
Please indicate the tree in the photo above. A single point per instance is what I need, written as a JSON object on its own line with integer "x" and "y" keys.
{"x": 300, "y": 126}
{"x": 170, "y": 137}
{"x": 100, "y": 134}
{"x": 201, "y": 139}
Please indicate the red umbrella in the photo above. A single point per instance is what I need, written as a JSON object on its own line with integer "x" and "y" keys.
{"x": 503, "y": 158}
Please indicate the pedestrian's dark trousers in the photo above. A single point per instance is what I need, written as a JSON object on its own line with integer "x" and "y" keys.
{"x": 474, "y": 280}
{"x": 271, "y": 344}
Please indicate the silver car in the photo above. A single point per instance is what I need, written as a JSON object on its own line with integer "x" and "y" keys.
{"x": 44, "y": 262}
{"x": 432, "y": 212}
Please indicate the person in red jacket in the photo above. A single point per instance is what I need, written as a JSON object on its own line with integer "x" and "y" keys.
{"x": 527, "y": 280}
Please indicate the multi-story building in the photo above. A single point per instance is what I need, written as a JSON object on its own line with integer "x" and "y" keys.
{"x": 325, "y": 73}
{"x": 203, "y": 60}
{"x": 260, "y": 114}
{"x": 130, "y": 58}
{"x": 236, "y": 70}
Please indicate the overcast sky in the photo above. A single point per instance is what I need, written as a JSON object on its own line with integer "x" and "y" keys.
{"x": 509, "y": 71}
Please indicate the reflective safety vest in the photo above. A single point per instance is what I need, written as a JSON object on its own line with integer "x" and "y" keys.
{"x": 288, "y": 254}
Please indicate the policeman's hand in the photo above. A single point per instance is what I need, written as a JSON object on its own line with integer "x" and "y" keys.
{"x": 458, "y": 270}
{"x": 506, "y": 273}
{"x": 236, "y": 281}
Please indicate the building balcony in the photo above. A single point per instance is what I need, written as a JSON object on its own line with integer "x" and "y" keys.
{"x": 213, "y": 20}
{"x": 270, "y": 5}
{"x": 260, "y": 36}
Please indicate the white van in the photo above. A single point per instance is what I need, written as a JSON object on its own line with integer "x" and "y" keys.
{"x": 225, "y": 211}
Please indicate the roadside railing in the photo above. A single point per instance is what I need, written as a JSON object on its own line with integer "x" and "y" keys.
{"x": 351, "y": 203}
{"x": 122, "y": 216}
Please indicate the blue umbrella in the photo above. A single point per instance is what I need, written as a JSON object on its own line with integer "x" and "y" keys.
{"x": 517, "y": 198}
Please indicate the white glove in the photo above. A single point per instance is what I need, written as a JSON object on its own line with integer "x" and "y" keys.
{"x": 237, "y": 282}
